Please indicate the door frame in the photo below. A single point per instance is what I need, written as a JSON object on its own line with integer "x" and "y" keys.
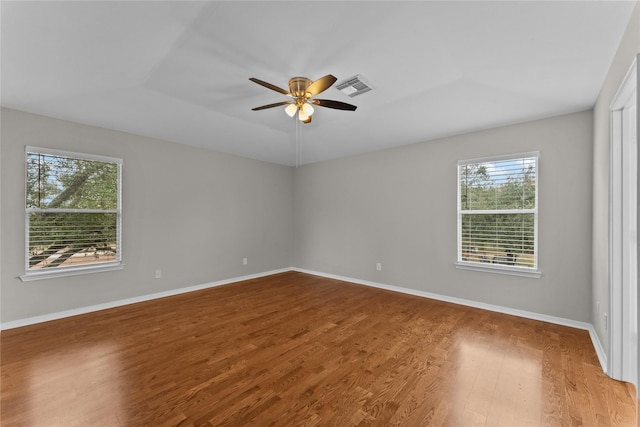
{"x": 623, "y": 220}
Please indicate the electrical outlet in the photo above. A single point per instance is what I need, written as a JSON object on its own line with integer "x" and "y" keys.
{"x": 158, "y": 274}
{"x": 379, "y": 266}
{"x": 245, "y": 261}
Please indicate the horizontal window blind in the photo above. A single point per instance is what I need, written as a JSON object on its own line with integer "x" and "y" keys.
{"x": 73, "y": 210}
{"x": 497, "y": 212}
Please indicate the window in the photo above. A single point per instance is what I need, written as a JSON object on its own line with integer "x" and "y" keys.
{"x": 73, "y": 213}
{"x": 498, "y": 214}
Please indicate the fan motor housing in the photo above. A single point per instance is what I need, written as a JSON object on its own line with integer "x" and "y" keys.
{"x": 298, "y": 86}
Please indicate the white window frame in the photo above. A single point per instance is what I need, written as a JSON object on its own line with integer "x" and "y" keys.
{"x": 499, "y": 268}
{"x": 30, "y": 275}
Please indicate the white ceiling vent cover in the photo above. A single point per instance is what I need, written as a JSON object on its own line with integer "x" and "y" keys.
{"x": 354, "y": 86}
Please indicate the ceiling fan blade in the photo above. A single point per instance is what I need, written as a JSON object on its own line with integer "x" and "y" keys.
{"x": 270, "y": 86}
{"x": 277, "y": 104}
{"x": 338, "y": 105}
{"x": 320, "y": 85}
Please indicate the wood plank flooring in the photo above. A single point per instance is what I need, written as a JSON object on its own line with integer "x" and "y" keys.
{"x": 299, "y": 350}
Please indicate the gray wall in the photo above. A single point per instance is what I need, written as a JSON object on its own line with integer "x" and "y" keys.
{"x": 398, "y": 207}
{"x": 192, "y": 213}
{"x": 628, "y": 49}
{"x": 394, "y": 207}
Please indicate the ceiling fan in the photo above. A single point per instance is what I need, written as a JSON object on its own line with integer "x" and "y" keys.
{"x": 303, "y": 91}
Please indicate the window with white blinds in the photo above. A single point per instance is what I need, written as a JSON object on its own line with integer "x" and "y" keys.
{"x": 498, "y": 213}
{"x": 73, "y": 213}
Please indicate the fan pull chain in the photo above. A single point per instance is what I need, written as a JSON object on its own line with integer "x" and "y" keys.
{"x": 298, "y": 145}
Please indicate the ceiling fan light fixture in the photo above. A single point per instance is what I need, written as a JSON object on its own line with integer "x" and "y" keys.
{"x": 302, "y": 116}
{"x": 291, "y": 110}
{"x": 307, "y": 109}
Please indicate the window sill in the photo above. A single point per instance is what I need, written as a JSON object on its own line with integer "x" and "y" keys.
{"x": 40, "y": 275}
{"x": 493, "y": 268}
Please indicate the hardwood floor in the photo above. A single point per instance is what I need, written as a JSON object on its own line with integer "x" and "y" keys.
{"x": 296, "y": 350}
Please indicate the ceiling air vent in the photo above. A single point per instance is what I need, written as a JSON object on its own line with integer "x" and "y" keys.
{"x": 354, "y": 86}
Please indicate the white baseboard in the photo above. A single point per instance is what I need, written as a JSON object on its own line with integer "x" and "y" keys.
{"x": 597, "y": 345}
{"x": 496, "y": 308}
{"x": 83, "y": 310}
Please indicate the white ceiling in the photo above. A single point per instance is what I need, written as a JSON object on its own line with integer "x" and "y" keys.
{"x": 178, "y": 71}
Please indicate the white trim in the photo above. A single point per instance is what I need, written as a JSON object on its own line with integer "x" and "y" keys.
{"x": 499, "y": 269}
{"x": 72, "y": 154}
{"x": 500, "y": 158}
{"x": 42, "y": 274}
{"x": 597, "y": 345}
{"x": 627, "y": 87}
{"x": 615, "y": 250}
{"x": 623, "y": 309}
{"x": 89, "y": 309}
{"x": 481, "y": 305}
